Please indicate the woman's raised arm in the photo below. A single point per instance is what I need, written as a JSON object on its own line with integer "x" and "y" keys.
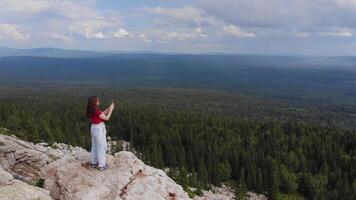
{"x": 106, "y": 111}
{"x": 106, "y": 114}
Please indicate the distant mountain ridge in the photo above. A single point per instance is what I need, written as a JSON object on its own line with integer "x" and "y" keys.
{"x": 71, "y": 53}
{"x": 51, "y": 52}
{"x": 75, "y": 53}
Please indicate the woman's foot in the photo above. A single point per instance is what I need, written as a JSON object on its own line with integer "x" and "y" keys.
{"x": 93, "y": 165}
{"x": 104, "y": 167}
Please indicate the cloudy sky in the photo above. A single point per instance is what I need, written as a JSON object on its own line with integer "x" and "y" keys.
{"x": 312, "y": 27}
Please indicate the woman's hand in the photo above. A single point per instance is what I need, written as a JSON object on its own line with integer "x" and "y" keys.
{"x": 107, "y": 113}
{"x": 112, "y": 106}
{"x": 109, "y": 108}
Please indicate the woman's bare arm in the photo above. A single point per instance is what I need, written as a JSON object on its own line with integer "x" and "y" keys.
{"x": 106, "y": 111}
{"x": 106, "y": 116}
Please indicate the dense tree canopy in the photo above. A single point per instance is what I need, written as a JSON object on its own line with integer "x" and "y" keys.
{"x": 268, "y": 156}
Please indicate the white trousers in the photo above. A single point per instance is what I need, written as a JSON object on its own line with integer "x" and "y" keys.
{"x": 98, "y": 144}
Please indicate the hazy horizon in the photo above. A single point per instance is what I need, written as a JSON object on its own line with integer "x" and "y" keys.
{"x": 118, "y": 51}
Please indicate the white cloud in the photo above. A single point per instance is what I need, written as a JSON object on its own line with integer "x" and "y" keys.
{"x": 189, "y": 15}
{"x": 89, "y": 29}
{"x": 62, "y": 8}
{"x": 346, "y": 3}
{"x": 182, "y": 14}
{"x": 99, "y": 28}
{"x": 200, "y": 33}
{"x": 300, "y": 18}
{"x": 99, "y": 35}
{"x": 78, "y": 18}
{"x": 302, "y": 35}
{"x": 237, "y": 32}
{"x": 192, "y": 18}
{"x": 122, "y": 33}
{"x": 58, "y": 36}
{"x": 144, "y": 38}
{"x": 338, "y": 34}
{"x": 286, "y": 16}
{"x": 173, "y": 36}
{"x": 169, "y": 36}
{"x": 166, "y": 36}
{"x": 29, "y": 6}
{"x": 12, "y": 32}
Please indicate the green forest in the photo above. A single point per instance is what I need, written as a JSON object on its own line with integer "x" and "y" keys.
{"x": 281, "y": 148}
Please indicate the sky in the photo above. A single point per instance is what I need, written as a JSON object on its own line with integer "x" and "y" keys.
{"x": 297, "y": 27}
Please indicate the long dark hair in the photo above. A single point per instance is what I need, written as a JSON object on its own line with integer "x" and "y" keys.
{"x": 92, "y": 106}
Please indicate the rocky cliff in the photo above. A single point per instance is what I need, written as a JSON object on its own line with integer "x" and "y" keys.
{"x": 62, "y": 173}
{"x": 38, "y": 172}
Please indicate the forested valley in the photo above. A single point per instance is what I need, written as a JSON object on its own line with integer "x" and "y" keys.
{"x": 286, "y": 149}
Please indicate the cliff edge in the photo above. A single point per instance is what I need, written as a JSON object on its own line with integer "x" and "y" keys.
{"x": 60, "y": 172}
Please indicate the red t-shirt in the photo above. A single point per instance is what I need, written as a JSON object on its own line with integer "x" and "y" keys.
{"x": 95, "y": 119}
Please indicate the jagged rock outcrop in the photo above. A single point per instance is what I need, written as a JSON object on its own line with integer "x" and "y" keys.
{"x": 117, "y": 145}
{"x": 12, "y": 189}
{"x": 254, "y": 196}
{"x": 225, "y": 192}
{"x": 217, "y": 193}
{"x": 66, "y": 177}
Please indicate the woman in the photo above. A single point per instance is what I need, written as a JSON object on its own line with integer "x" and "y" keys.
{"x": 98, "y": 132}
